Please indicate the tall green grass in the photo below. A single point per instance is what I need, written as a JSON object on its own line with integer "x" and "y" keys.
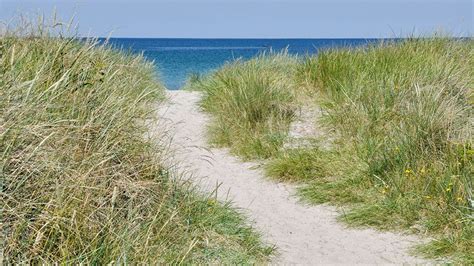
{"x": 252, "y": 103}
{"x": 403, "y": 117}
{"x": 79, "y": 183}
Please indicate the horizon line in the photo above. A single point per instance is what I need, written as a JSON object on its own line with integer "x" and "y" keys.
{"x": 278, "y": 38}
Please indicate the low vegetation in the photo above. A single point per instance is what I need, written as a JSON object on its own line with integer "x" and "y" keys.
{"x": 79, "y": 183}
{"x": 251, "y": 102}
{"x": 400, "y": 116}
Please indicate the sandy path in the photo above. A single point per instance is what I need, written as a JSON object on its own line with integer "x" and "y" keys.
{"x": 302, "y": 234}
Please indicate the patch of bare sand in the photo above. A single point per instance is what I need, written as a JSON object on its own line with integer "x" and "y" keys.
{"x": 302, "y": 234}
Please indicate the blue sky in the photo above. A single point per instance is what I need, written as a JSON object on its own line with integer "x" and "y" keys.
{"x": 255, "y": 18}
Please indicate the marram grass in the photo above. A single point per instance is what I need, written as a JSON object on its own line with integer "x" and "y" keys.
{"x": 252, "y": 103}
{"x": 79, "y": 183}
{"x": 400, "y": 116}
{"x": 403, "y": 117}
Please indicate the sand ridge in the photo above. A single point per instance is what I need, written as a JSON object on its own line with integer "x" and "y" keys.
{"x": 302, "y": 234}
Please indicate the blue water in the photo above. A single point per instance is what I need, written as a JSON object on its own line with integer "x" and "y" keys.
{"x": 176, "y": 59}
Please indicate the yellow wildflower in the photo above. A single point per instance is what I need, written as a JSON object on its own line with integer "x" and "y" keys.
{"x": 211, "y": 201}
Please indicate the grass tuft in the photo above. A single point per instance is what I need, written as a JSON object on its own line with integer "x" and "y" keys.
{"x": 251, "y": 103}
{"x": 79, "y": 183}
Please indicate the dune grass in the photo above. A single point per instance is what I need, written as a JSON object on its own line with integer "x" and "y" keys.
{"x": 403, "y": 154}
{"x": 252, "y": 103}
{"x": 400, "y": 115}
{"x": 79, "y": 182}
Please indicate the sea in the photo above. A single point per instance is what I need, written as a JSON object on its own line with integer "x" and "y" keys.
{"x": 176, "y": 59}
